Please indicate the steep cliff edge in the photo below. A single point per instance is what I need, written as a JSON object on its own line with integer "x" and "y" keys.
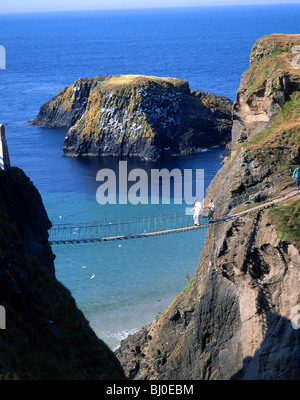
{"x": 43, "y": 335}
{"x": 21, "y": 202}
{"x": 135, "y": 115}
{"x": 238, "y": 319}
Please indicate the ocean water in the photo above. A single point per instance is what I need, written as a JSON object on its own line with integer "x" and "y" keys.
{"x": 209, "y": 47}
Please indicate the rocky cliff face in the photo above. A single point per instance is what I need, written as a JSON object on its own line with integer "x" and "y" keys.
{"x": 21, "y": 202}
{"x": 265, "y": 86}
{"x": 46, "y": 336}
{"x": 133, "y": 115}
{"x": 236, "y": 320}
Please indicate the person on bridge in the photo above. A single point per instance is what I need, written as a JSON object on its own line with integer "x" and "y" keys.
{"x": 211, "y": 209}
{"x": 197, "y": 210}
{"x": 296, "y": 175}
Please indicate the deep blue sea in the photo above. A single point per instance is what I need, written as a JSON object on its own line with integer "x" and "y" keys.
{"x": 209, "y": 47}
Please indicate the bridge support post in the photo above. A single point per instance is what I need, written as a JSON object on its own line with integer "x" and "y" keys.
{"x": 2, "y": 318}
{"x": 4, "y": 156}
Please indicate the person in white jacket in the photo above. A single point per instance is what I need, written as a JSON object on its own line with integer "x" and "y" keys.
{"x": 197, "y": 210}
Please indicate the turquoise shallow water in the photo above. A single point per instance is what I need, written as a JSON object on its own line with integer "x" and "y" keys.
{"x": 209, "y": 47}
{"x": 120, "y": 286}
{"x": 133, "y": 280}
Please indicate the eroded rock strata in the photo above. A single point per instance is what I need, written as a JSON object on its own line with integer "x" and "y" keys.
{"x": 237, "y": 320}
{"x": 134, "y": 115}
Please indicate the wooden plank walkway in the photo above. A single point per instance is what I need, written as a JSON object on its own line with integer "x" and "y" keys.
{"x": 132, "y": 236}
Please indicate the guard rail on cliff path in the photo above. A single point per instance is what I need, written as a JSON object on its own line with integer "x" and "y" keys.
{"x": 103, "y": 231}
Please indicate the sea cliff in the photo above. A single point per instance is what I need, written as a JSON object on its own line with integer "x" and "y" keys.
{"x": 237, "y": 319}
{"x": 135, "y": 115}
{"x": 45, "y": 335}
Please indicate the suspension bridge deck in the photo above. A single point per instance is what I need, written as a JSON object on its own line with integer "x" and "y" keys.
{"x": 130, "y": 236}
{"x": 123, "y": 229}
{"x": 140, "y": 227}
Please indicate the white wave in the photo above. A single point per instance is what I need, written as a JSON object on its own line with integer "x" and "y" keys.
{"x": 120, "y": 335}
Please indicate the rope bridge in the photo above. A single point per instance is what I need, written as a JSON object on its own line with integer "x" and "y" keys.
{"x": 123, "y": 229}
{"x": 102, "y": 231}
{"x": 138, "y": 227}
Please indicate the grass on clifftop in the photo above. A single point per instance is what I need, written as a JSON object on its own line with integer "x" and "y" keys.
{"x": 286, "y": 219}
{"x": 136, "y": 80}
{"x": 260, "y": 71}
{"x": 270, "y": 54}
{"x": 286, "y": 122}
{"x": 271, "y": 59}
{"x": 277, "y": 144}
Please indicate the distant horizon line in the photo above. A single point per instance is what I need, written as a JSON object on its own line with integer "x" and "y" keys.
{"x": 146, "y": 8}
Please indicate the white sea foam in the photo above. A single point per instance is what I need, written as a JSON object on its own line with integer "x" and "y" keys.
{"x": 119, "y": 336}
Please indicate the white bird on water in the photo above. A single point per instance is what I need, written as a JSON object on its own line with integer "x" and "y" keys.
{"x": 93, "y": 276}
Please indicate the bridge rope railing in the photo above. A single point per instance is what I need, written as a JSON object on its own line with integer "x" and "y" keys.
{"x": 129, "y": 226}
{"x": 140, "y": 226}
{"x": 115, "y": 228}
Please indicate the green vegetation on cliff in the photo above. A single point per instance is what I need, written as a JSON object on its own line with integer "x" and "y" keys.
{"x": 269, "y": 56}
{"x": 286, "y": 219}
{"x": 278, "y": 145}
{"x": 266, "y": 127}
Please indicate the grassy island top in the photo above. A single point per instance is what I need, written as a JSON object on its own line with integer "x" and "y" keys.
{"x": 140, "y": 80}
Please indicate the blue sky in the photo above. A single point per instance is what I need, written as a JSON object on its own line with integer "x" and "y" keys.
{"x": 9, "y": 6}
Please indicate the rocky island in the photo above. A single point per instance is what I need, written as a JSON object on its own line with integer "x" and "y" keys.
{"x": 134, "y": 115}
{"x": 238, "y": 319}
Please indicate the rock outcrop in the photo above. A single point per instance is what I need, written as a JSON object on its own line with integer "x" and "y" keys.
{"x": 46, "y": 336}
{"x": 265, "y": 86}
{"x": 237, "y": 320}
{"x": 21, "y": 202}
{"x": 134, "y": 115}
